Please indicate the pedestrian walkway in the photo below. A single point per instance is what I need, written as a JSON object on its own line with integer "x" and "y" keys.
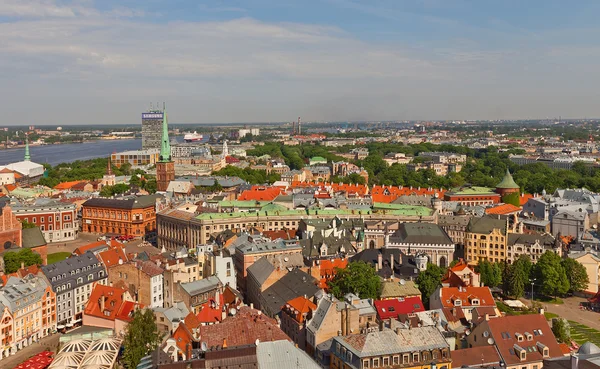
{"x": 49, "y": 343}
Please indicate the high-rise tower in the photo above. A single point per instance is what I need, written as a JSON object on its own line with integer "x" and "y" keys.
{"x": 165, "y": 167}
{"x": 151, "y": 128}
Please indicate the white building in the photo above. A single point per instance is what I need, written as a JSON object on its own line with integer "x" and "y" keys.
{"x": 7, "y": 176}
{"x": 156, "y": 291}
{"x": 248, "y": 131}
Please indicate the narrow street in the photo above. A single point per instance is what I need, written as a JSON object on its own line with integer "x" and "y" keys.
{"x": 49, "y": 343}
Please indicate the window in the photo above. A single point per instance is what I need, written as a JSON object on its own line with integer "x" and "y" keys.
{"x": 366, "y": 363}
{"x": 415, "y": 357}
{"x": 376, "y": 363}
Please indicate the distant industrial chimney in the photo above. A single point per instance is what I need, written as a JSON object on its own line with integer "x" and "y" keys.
{"x": 299, "y": 127}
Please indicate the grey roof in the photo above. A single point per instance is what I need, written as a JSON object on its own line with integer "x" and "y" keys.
{"x": 323, "y": 306}
{"x": 570, "y": 214}
{"x": 59, "y": 274}
{"x": 174, "y": 313}
{"x": 530, "y": 239}
{"x": 420, "y": 233}
{"x": 277, "y": 245}
{"x": 33, "y": 237}
{"x": 18, "y": 293}
{"x": 486, "y": 225}
{"x": 283, "y": 354}
{"x": 364, "y": 306}
{"x": 294, "y": 284}
{"x": 261, "y": 270}
{"x": 387, "y": 342}
{"x": 225, "y": 182}
{"x": 459, "y": 220}
{"x": 127, "y": 203}
{"x": 200, "y": 286}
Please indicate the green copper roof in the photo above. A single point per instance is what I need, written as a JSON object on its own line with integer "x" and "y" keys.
{"x": 27, "y": 156}
{"x": 507, "y": 181}
{"x": 165, "y": 146}
{"x": 474, "y": 190}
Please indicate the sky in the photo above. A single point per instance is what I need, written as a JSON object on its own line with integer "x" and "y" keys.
{"x": 100, "y": 62}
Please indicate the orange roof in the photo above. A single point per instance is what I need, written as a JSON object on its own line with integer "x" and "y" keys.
{"x": 564, "y": 348}
{"x": 301, "y": 306}
{"x": 112, "y": 297}
{"x": 503, "y": 209}
{"x": 260, "y": 193}
{"x": 466, "y": 295}
{"x": 191, "y": 321}
{"x": 387, "y": 194}
{"x": 10, "y": 187}
{"x": 183, "y": 339}
{"x": 209, "y": 314}
{"x": 284, "y": 234}
{"x": 524, "y": 197}
{"x": 460, "y": 266}
{"x": 66, "y": 185}
{"x": 82, "y": 249}
{"x": 126, "y": 311}
{"x": 6, "y": 170}
{"x": 328, "y": 269}
{"x": 113, "y": 256}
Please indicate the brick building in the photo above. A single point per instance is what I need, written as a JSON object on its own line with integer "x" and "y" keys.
{"x": 10, "y": 227}
{"x": 131, "y": 216}
{"x": 57, "y": 220}
{"x": 143, "y": 279}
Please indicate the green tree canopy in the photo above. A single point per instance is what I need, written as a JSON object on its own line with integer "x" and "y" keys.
{"x": 516, "y": 276}
{"x": 26, "y": 224}
{"x": 550, "y": 275}
{"x": 490, "y": 273}
{"x": 358, "y": 278}
{"x": 576, "y": 274}
{"x": 119, "y": 188}
{"x": 561, "y": 330}
{"x": 13, "y": 259}
{"x": 141, "y": 337}
{"x": 428, "y": 281}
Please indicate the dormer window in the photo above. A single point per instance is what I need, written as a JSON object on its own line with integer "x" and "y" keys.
{"x": 519, "y": 337}
{"x": 475, "y": 302}
{"x": 529, "y": 336}
{"x": 457, "y": 302}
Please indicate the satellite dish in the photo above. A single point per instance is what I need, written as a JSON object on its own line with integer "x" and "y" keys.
{"x": 232, "y": 311}
{"x": 402, "y": 282}
{"x": 490, "y": 341}
{"x": 257, "y": 342}
{"x": 286, "y": 259}
{"x": 204, "y": 346}
{"x": 486, "y": 334}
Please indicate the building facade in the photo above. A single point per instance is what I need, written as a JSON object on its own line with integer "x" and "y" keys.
{"x": 423, "y": 238}
{"x": 72, "y": 280}
{"x": 135, "y": 158}
{"x": 486, "y": 239}
{"x": 143, "y": 279}
{"x": 132, "y": 216}
{"x": 57, "y": 220}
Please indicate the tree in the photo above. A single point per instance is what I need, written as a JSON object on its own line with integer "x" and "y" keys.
{"x": 551, "y": 273}
{"x": 141, "y": 337}
{"x": 517, "y": 276}
{"x": 13, "y": 260}
{"x": 428, "y": 281}
{"x": 26, "y": 224}
{"x": 491, "y": 273}
{"x": 576, "y": 274}
{"x": 561, "y": 330}
{"x": 358, "y": 278}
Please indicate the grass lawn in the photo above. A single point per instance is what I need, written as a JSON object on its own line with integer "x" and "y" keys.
{"x": 550, "y": 316}
{"x": 57, "y": 256}
{"x": 581, "y": 333}
{"x": 549, "y": 300}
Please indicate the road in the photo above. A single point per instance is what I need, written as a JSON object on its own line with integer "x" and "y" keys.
{"x": 50, "y": 343}
{"x": 570, "y": 310}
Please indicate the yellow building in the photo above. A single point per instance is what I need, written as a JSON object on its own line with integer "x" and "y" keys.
{"x": 486, "y": 239}
{"x": 591, "y": 263}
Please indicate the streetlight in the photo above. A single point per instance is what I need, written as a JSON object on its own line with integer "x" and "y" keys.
{"x": 532, "y": 283}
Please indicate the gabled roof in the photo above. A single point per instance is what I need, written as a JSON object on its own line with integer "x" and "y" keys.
{"x": 486, "y": 225}
{"x": 260, "y": 193}
{"x": 113, "y": 299}
{"x": 393, "y": 307}
{"x": 32, "y": 237}
{"x": 94, "y": 246}
{"x": 503, "y": 209}
{"x": 113, "y": 256}
{"x": 302, "y": 307}
{"x": 486, "y": 356}
{"x": 293, "y": 284}
{"x": 394, "y": 289}
{"x": 466, "y": 295}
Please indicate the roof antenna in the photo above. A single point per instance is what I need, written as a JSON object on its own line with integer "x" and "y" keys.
{"x": 164, "y": 105}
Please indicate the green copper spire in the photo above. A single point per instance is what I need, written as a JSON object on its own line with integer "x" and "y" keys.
{"x": 165, "y": 146}
{"x": 27, "y": 156}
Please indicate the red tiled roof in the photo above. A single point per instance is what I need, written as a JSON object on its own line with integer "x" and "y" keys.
{"x": 387, "y": 194}
{"x": 503, "y": 209}
{"x": 301, "y": 306}
{"x": 244, "y": 328}
{"x": 260, "y": 193}
{"x": 524, "y": 197}
{"x": 149, "y": 268}
{"x": 191, "y": 321}
{"x": 10, "y": 187}
{"x": 83, "y": 249}
{"x": 113, "y": 256}
{"x": 66, "y": 185}
{"x": 183, "y": 339}
{"x": 328, "y": 269}
{"x": 112, "y": 297}
{"x": 475, "y": 357}
{"x": 285, "y": 234}
{"x": 511, "y": 325}
{"x": 454, "y": 314}
{"x": 392, "y": 307}
{"x": 466, "y": 295}
{"x": 209, "y": 314}
{"x": 335, "y": 187}
{"x": 566, "y": 350}
{"x": 127, "y": 309}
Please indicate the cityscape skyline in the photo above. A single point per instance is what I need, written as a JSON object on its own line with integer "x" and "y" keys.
{"x": 329, "y": 60}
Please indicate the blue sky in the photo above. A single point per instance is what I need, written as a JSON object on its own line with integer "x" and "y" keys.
{"x": 74, "y": 62}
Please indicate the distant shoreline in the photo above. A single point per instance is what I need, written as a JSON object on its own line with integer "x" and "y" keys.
{"x": 17, "y": 147}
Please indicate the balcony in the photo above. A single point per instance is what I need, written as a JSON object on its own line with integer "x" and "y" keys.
{"x": 137, "y": 221}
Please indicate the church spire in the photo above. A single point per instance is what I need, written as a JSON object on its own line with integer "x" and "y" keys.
{"x": 109, "y": 168}
{"x": 165, "y": 146}
{"x": 27, "y": 156}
